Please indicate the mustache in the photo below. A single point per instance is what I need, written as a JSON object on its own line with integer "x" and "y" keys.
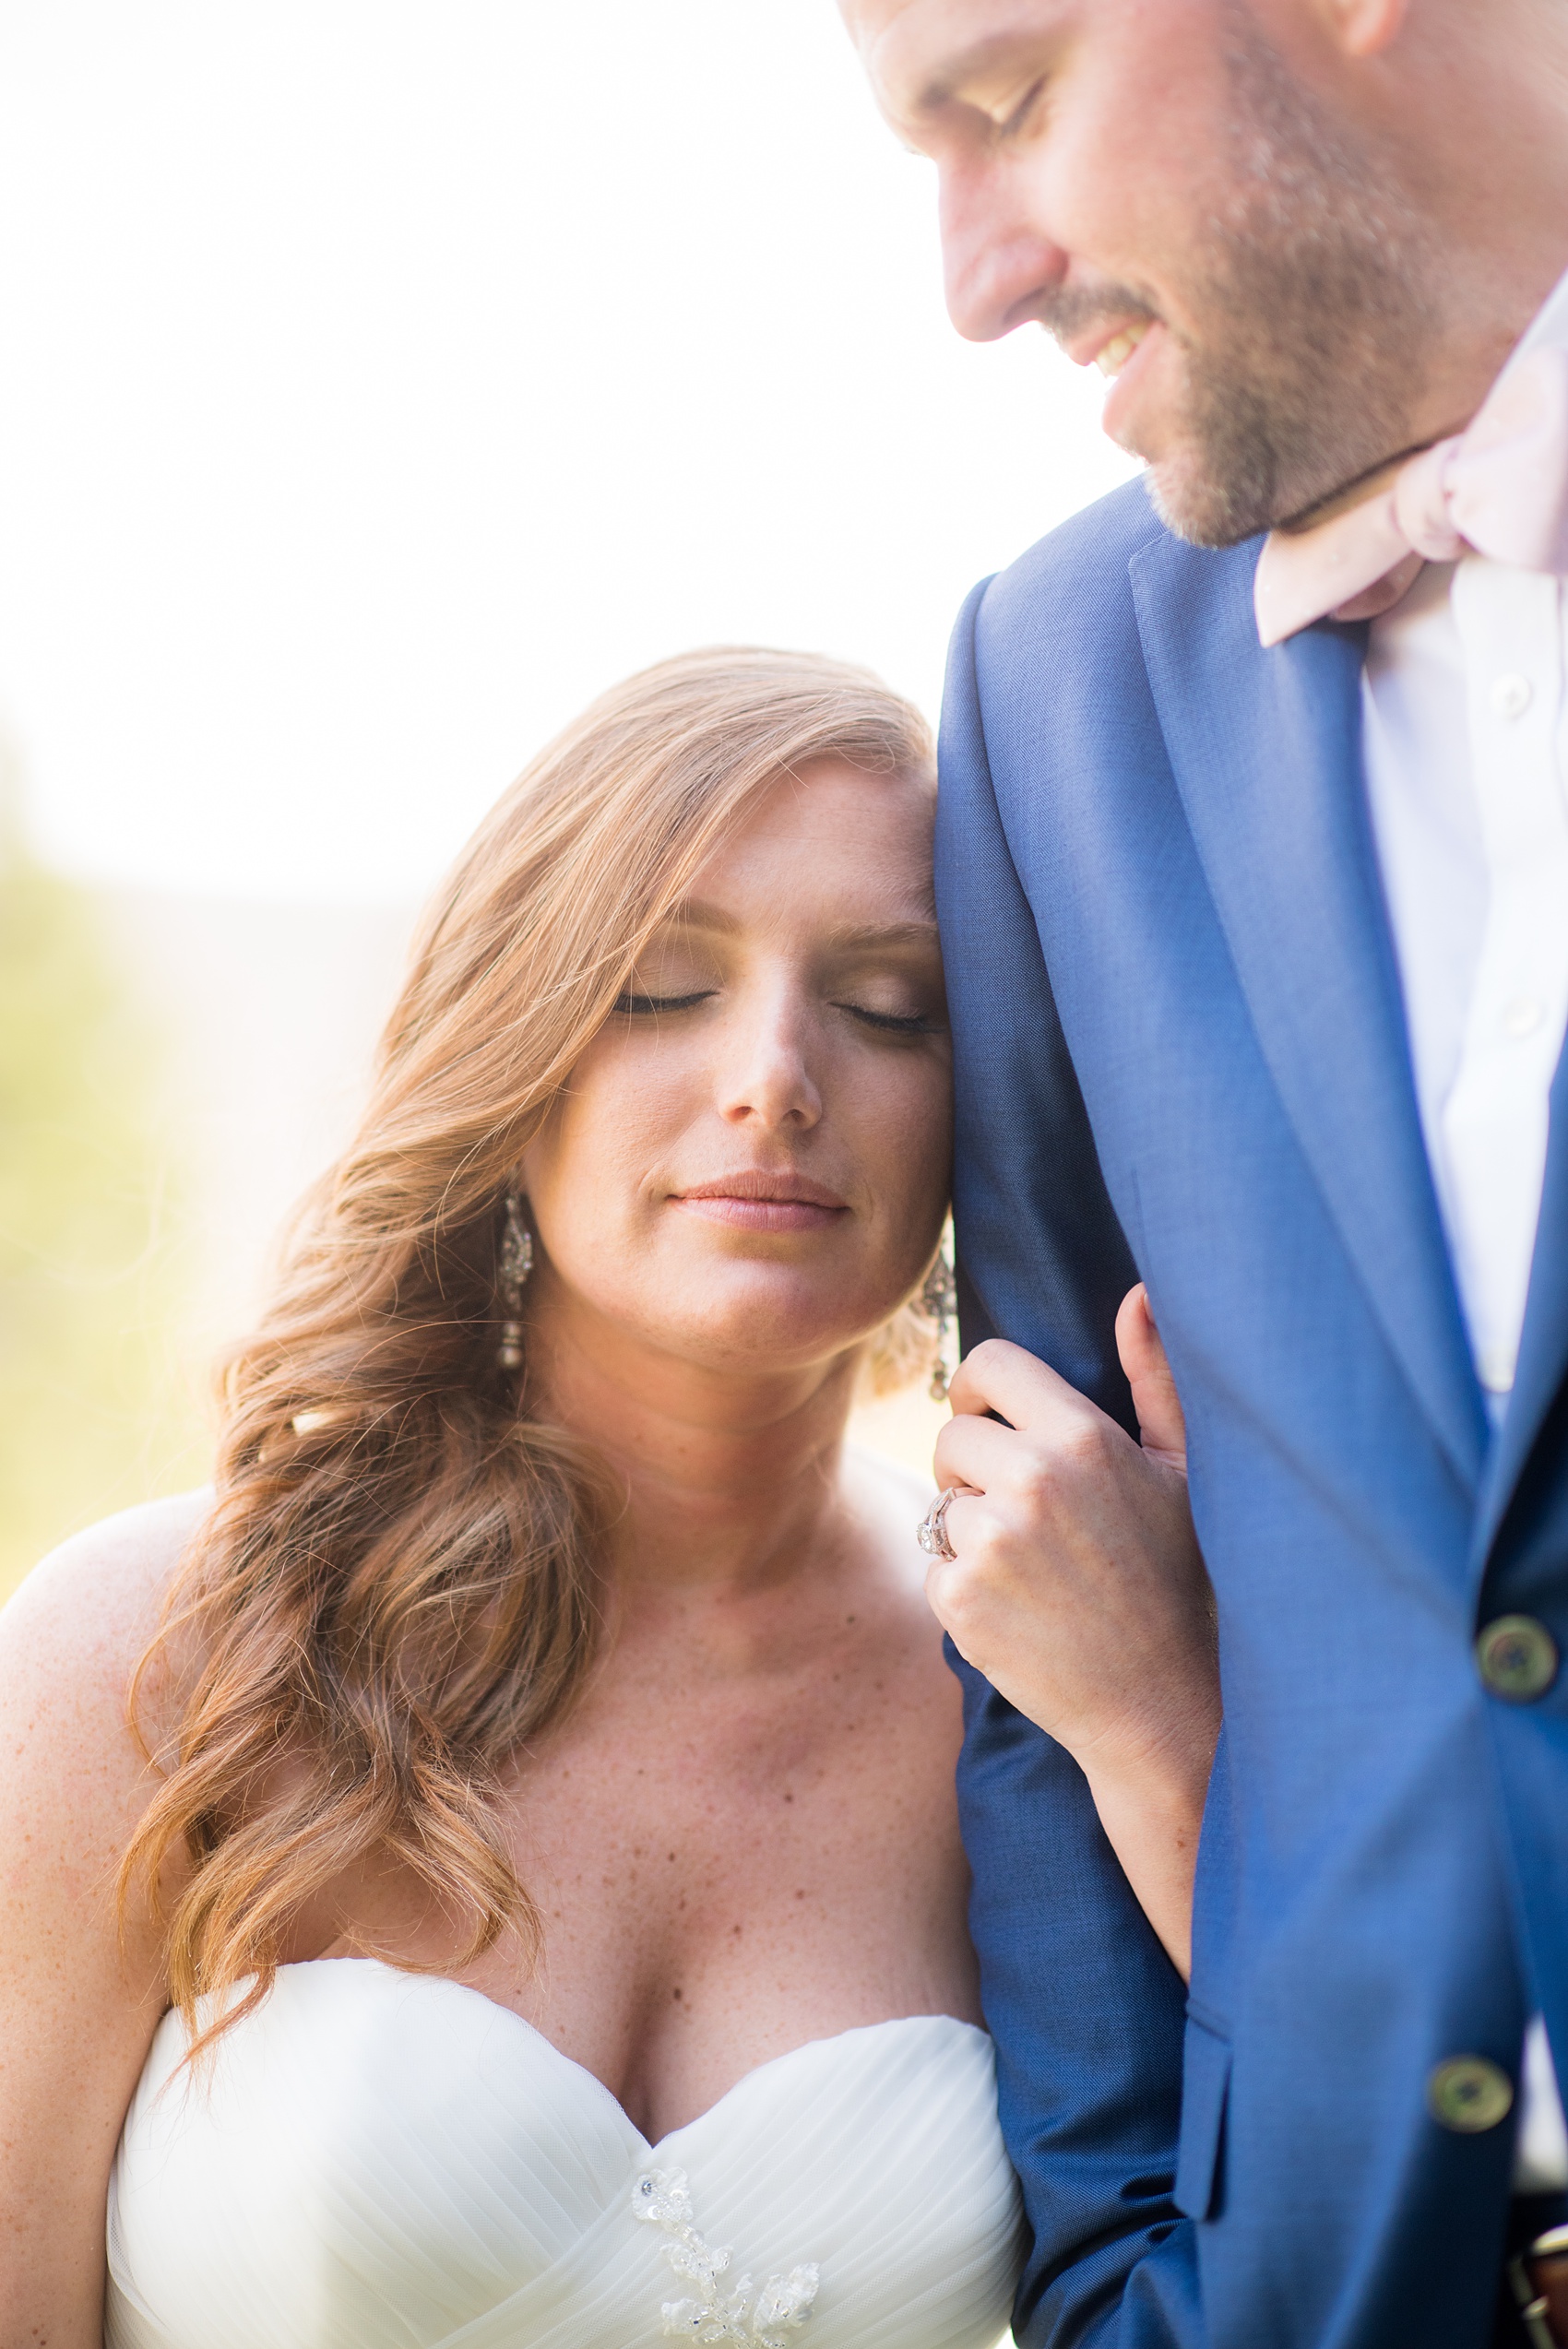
{"x": 1066, "y": 311}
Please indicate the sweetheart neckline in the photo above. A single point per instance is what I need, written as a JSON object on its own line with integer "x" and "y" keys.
{"x": 652, "y": 2145}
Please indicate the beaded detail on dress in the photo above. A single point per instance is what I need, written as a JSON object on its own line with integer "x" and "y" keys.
{"x": 756, "y": 2320}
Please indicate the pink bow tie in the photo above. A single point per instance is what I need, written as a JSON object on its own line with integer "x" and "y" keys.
{"x": 1500, "y": 487}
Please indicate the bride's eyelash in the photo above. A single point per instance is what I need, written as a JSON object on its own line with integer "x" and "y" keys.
{"x": 891, "y": 1022}
{"x": 630, "y": 1001}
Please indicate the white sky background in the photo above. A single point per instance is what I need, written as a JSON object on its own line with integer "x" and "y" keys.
{"x": 378, "y": 380}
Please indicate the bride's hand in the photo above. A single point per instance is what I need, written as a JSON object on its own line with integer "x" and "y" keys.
{"x": 1077, "y": 1588}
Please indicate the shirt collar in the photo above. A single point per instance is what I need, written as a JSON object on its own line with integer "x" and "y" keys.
{"x": 1548, "y": 330}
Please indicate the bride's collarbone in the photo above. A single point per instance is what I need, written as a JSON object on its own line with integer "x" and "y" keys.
{"x": 743, "y": 1753}
{"x": 703, "y": 1832}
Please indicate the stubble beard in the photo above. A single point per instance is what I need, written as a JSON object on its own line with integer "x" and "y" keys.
{"x": 1316, "y": 291}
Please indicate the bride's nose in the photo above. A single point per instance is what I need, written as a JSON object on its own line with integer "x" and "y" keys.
{"x": 765, "y": 1077}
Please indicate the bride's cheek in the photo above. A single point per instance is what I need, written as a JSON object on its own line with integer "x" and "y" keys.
{"x": 908, "y": 1136}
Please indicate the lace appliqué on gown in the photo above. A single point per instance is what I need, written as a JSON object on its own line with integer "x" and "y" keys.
{"x": 757, "y": 2320}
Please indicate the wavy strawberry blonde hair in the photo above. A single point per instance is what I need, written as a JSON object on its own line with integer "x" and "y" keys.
{"x": 397, "y": 1587}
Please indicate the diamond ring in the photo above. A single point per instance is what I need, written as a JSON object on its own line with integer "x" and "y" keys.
{"x": 932, "y": 1531}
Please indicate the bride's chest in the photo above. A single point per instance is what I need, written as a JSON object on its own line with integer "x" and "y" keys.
{"x": 714, "y": 1892}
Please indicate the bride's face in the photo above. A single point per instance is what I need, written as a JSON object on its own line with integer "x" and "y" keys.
{"x": 750, "y": 1164}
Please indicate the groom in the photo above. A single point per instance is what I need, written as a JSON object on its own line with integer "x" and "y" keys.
{"x": 1254, "y": 877}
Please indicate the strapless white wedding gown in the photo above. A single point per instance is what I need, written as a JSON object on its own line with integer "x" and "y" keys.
{"x": 378, "y": 2160}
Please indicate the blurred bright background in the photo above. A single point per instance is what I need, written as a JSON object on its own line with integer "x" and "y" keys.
{"x": 380, "y": 380}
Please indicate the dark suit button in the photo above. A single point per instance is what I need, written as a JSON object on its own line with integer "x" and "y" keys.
{"x": 1517, "y": 1657}
{"x": 1468, "y": 2094}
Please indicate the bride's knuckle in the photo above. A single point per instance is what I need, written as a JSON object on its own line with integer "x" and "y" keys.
{"x": 984, "y": 1362}
{"x": 1035, "y": 1485}
{"x": 1083, "y": 1448}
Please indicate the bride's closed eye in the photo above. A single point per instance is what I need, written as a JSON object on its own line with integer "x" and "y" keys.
{"x": 637, "y": 1003}
{"x": 905, "y": 1024}
{"x": 633, "y": 1001}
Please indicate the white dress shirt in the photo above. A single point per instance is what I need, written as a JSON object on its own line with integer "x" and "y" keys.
{"x": 1466, "y": 744}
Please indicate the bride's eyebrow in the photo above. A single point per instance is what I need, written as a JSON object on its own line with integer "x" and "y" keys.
{"x": 694, "y": 914}
{"x": 882, "y": 935}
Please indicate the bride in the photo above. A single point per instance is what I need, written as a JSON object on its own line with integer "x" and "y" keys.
{"x": 492, "y": 1875}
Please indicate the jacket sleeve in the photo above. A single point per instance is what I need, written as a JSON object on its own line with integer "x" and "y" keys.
{"x": 1086, "y": 2008}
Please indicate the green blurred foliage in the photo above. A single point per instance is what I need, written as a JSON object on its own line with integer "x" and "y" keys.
{"x": 97, "y": 1409}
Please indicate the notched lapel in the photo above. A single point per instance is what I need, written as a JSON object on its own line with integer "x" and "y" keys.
{"x": 1265, "y": 747}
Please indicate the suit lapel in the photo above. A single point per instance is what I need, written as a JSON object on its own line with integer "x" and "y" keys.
{"x": 1543, "y": 1342}
{"x": 1266, "y": 748}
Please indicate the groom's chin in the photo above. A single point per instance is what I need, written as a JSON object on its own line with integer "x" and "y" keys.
{"x": 1208, "y": 502}
{"x": 1233, "y": 456}
{"x": 1191, "y": 509}
{"x": 1242, "y": 463}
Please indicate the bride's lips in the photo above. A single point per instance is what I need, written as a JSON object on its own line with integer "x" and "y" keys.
{"x": 754, "y": 1202}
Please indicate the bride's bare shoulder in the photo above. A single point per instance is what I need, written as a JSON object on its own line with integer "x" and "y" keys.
{"x": 75, "y": 1630}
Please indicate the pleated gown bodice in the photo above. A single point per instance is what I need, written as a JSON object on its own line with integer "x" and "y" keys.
{"x": 378, "y": 2160}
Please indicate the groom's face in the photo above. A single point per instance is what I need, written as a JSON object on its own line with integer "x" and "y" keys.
{"x": 1186, "y": 193}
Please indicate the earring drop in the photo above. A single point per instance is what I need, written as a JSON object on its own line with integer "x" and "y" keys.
{"x": 513, "y": 1264}
{"x": 938, "y": 1301}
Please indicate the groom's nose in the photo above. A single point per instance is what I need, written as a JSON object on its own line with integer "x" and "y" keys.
{"x": 1000, "y": 271}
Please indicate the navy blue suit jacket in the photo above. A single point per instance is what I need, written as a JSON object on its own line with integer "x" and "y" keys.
{"x": 1181, "y": 1056}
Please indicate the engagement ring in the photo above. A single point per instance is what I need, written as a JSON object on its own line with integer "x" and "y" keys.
{"x": 932, "y": 1531}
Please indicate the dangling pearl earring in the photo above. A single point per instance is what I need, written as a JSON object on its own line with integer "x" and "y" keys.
{"x": 939, "y": 1299}
{"x": 513, "y": 1263}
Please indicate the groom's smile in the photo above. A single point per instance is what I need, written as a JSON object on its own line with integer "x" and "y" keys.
{"x": 1209, "y": 201}
{"x": 1113, "y": 356}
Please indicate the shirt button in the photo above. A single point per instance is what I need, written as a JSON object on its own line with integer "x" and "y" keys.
{"x": 1522, "y": 1017}
{"x": 1511, "y": 695}
{"x": 1496, "y": 1367}
{"x": 1516, "y": 1658}
{"x": 1468, "y": 2094}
